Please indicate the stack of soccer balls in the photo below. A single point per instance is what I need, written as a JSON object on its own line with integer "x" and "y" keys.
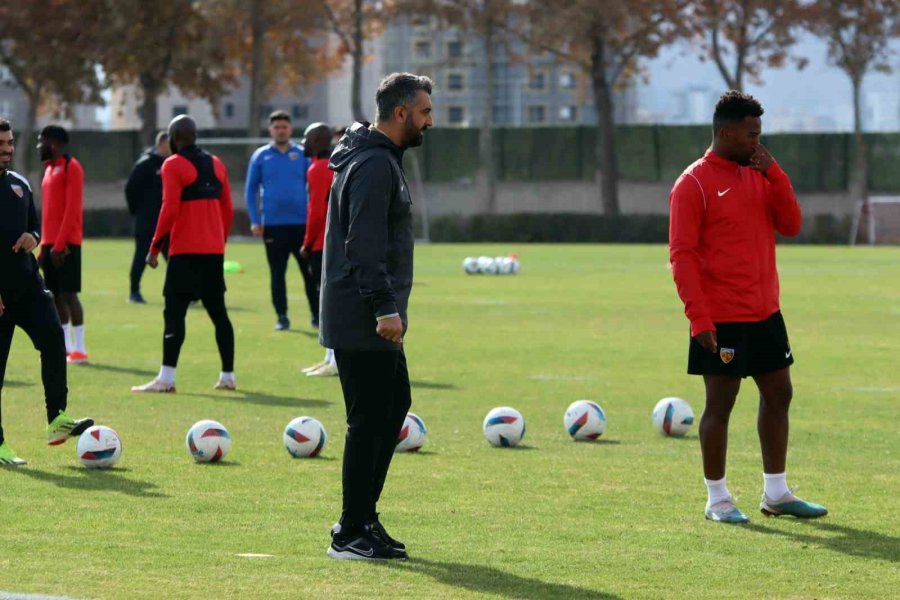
{"x": 486, "y": 265}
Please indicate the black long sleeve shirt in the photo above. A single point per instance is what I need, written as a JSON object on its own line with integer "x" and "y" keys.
{"x": 18, "y": 270}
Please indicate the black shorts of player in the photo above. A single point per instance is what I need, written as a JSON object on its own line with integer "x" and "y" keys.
{"x": 66, "y": 278}
{"x": 195, "y": 276}
{"x": 745, "y": 349}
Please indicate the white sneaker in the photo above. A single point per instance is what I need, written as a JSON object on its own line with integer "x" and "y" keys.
{"x": 225, "y": 384}
{"x": 154, "y": 387}
{"x": 326, "y": 370}
{"x": 315, "y": 367}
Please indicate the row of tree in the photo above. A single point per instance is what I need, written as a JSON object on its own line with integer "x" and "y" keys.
{"x": 63, "y": 52}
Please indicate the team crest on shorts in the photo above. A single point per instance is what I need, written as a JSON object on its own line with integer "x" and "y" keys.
{"x": 726, "y": 354}
{"x": 18, "y": 190}
{"x": 294, "y": 155}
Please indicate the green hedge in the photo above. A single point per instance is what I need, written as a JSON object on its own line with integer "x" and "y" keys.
{"x": 587, "y": 228}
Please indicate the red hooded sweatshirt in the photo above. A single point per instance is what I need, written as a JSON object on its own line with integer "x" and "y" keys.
{"x": 722, "y": 224}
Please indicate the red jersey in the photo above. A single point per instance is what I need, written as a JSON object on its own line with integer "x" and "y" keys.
{"x": 195, "y": 225}
{"x": 62, "y": 198}
{"x": 722, "y": 224}
{"x": 318, "y": 178}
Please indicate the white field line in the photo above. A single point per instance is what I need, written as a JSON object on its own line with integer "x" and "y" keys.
{"x": 18, "y": 596}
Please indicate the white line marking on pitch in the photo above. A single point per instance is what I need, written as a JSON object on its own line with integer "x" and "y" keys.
{"x": 251, "y": 555}
{"x": 869, "y": 389}
{"x": 17, "y": 596}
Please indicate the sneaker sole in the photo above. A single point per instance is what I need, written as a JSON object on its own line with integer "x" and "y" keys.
{"x": 13, "y": 465}
{"x": 76, "y": 431}
{"x": 347, "y": 555}
{"x": 769, "y": 513}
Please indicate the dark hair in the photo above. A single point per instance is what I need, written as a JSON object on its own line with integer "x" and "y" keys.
{"x": 735, "y": 106}
{"x": 5, "y": 125}
{"x": 399, "y": 89}
{"x": 56, "y": 132}
{"x": 162, "y": 136}
{"x": 279, "y": 115}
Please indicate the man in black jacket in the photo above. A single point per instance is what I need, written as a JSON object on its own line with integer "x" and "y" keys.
{"x": 143, "y": 192}
{"x": 366, "y": 282}
{"x": 26, "y": 303}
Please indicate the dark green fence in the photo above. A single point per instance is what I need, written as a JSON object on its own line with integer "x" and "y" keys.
{"x": 815, "y": 162}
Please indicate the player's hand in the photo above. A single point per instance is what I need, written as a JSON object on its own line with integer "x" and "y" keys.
{"x": 26, "y": 242}
{"x": 2, "y": 308}
{"x": 391, "y": 329}
{"x": 152, "y": 260}
{"x": 761, "y": 159}
{"x": 708, "y": 340}
{"x": 304, "y": 253}
{"x": 257, "y": 230}
{"x": 58, "y": 259}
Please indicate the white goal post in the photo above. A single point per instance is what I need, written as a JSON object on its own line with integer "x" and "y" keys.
{"x": 881, "y": 222}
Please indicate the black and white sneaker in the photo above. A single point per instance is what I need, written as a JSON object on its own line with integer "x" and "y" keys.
{"x": 379, "y": 530}
{"x": 364, "y": 545}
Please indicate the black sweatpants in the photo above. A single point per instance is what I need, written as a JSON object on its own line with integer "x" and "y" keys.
{"x": 377, "y": 398}
{"x": 282, "y": 242}
{"x": 142, "y": 241}
{"x": 174, "y": 315}
{"x": 35, "y": 312}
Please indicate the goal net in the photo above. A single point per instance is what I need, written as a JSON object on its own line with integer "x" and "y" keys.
{"x": 877, "y": 223}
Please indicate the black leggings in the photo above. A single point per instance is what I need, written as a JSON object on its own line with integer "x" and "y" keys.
{"x": 174, "y": 315}
{"x": 142, "y": 241}
{"x": 36, "y": 314}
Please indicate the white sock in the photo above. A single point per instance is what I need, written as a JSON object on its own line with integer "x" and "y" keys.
{"x": 166, "y": 374}
{"x": 78, "y": 335}
{"x": 67, "y": 335}
{"x": 329, "y": 356}
{"x": 775, "y": 485}
{"x": 716, "y": 491}
{"x": 227, "y": 376}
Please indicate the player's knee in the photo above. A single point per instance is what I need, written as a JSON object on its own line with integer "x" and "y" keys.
{"x": 779, "y": 398}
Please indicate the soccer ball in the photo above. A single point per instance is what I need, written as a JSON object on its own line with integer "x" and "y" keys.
{"x": 412, "y": 435}
{"x": 470, "y": 266}
{"x": 584, "y": 420}
{"x": 99, "y": 447}
{"x": 673, "y": 416}
{"x": 504, "y": 426}
{"x": 304, "y": 437}
{"x": 208, "y": 441}
{"x": 509, "y": 266}
{"x": 487, "y": 265}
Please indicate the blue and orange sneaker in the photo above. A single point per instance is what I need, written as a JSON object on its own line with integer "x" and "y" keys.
{"x": 791, "y": 505}
{"x": 726, "y": 512}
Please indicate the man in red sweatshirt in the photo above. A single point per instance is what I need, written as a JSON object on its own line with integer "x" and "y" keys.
{"x": 317, "y": 145}
{"x": 724, "y": 212}
{"x": 196, "y": 217}
{"x": 62, "y": 191}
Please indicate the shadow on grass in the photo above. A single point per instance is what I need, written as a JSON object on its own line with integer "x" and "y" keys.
{"x": 115, "y": 369}
{"x": 102, "y": 480}
{"x": 482, "y": 579}
{"x": 600, "y": 442}
{"x": 17, "y": 384}
{"x": 262, "y": 399}
{"x": 853, "y": 542}
{"x": 306, "y": 332}
{"x": 432, "y": 385}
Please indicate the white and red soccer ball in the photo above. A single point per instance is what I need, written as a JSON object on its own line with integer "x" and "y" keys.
{"x": 99, "y": 447}
{"x": 208, "y": 441}
{"x": 504, "y": 427}
{"x": 412, "y": 435}
{"x": 584, "y": 420}
{"x": 304, "y": 437}
{"x": 673, "y": 417}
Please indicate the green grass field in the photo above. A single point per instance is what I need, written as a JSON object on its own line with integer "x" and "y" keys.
{"x": 622, "y": 518}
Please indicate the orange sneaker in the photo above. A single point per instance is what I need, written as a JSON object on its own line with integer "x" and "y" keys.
{"x": 76, "y": 358}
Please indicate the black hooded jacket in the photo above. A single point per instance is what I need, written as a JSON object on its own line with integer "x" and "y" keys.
{"x": 367, "y": 268}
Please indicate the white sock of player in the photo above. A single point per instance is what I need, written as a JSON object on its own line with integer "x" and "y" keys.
{"x": 329, "y": 356}
{"x": 775, "y": 485}
{"x": 716, "y": 491}
{"x": 67, "y": 335}
{"x": 166, "y": 374}
{"x": 226, "y": 376}
{"x": 78, "y": 335}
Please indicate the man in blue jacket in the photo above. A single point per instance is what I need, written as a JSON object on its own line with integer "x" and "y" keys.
{"x": 276, "y": 204}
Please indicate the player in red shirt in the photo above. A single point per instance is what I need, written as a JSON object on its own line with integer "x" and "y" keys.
{"x": 62, "y": 191}
{"x": 317, "y": 145}
{"x": 724, "y": 212}
{"x": 196, "y": 217}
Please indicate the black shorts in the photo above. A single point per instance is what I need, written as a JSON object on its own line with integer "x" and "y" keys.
{"x": 66, "y": 278}
{"x": 196, "y": 276}
{"x": 745, "y": 349}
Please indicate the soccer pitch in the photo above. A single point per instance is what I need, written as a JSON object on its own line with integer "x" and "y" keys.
{"x": 620, "y": 518}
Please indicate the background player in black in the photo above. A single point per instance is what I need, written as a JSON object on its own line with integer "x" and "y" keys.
{"x": 143, "y": 193}
{"x": 25, "y": 303}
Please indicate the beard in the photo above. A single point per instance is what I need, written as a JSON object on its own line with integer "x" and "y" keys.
{"x": 5, "y": 160}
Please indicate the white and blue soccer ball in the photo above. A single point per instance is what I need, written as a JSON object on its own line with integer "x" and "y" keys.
{"x": 470, "y": 266}
{"x": 504, "y": 427}
{"x": 413, "y": 434}
{"x": 584, "y": 420}
{"x": 304, "y": 437}
{"x": 487, "y": 265}
{"x": 99, "y": 447}
{"x": 208, "y": 441}
{"x": 673, "y": 416}
{"x": 509, "y": 265}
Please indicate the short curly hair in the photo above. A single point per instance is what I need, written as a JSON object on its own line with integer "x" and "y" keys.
{"x": 735, "y": 106}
